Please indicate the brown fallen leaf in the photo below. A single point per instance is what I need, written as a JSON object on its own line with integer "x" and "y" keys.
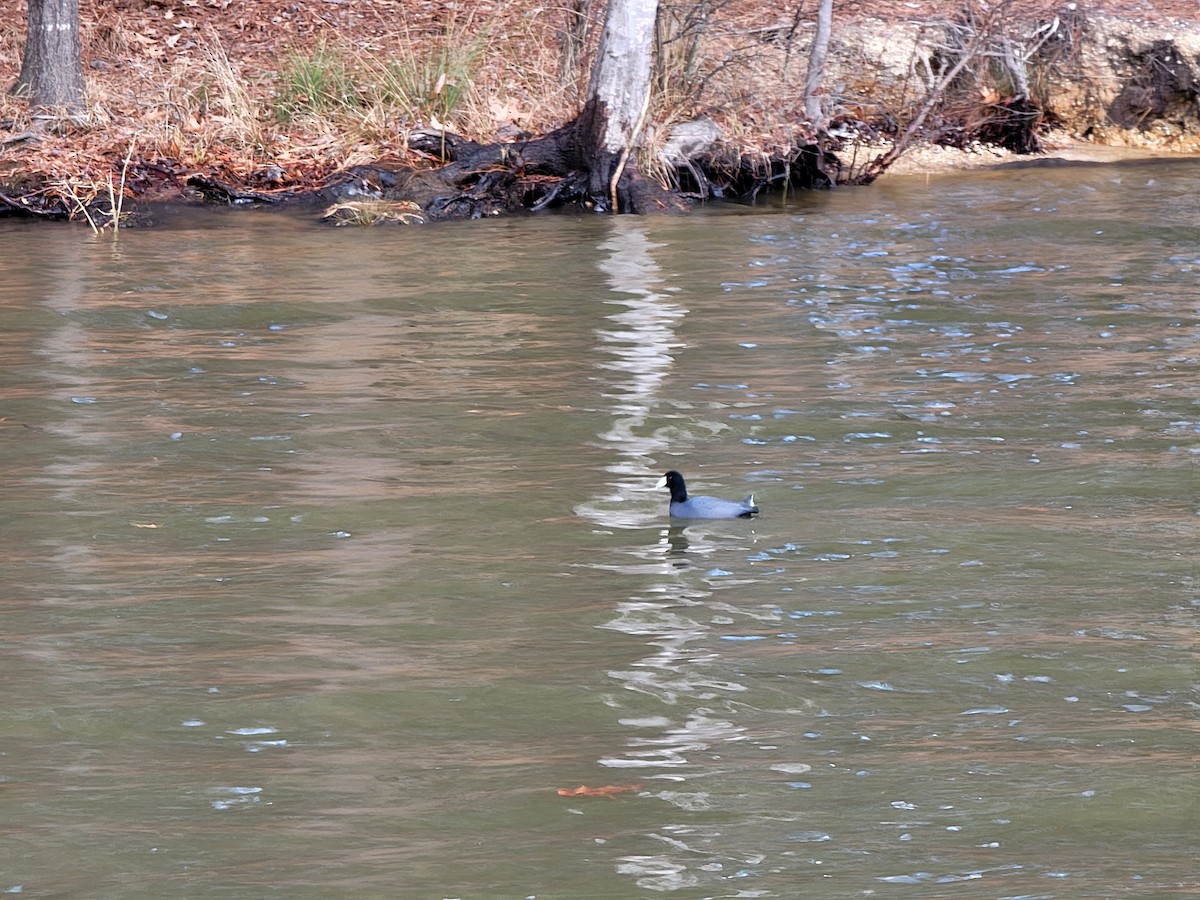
{"x": 607, "y": 791}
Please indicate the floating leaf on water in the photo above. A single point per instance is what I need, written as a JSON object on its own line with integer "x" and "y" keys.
{"x": 607, "y": 790}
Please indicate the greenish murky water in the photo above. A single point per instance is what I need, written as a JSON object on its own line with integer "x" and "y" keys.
{"x": 332, "y": 556}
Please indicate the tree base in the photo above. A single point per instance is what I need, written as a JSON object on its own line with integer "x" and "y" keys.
{"x": 557, "y": 171}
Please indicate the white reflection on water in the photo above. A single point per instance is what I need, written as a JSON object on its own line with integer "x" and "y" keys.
{"x": 638, "y": 348}
{"x": 678, "y": 672}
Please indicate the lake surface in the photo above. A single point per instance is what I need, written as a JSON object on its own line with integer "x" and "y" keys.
{"x": 335, "y": 564}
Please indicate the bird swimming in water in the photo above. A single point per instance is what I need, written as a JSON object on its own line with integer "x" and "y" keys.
{"x": 685, "y": 507}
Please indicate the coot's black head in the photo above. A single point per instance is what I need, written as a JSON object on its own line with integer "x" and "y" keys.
{"x": 676, "y": 486}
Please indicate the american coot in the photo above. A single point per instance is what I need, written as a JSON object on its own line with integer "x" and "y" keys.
{"x": 685, "y": 507}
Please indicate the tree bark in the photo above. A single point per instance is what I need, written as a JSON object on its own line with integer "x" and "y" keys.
{"x": 618, "y": 95}
{"x": 620, "y": 80}
{"x": 52, "y": 67}
{"x": 813, "y": 108}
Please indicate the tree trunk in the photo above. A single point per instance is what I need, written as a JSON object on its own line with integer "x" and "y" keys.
{"x": 52, "y": 68}
{"x": 618, "y": 96}
{"x": 813, "y": 108}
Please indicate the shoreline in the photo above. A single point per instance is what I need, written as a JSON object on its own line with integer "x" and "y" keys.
{"x": 927, "y": 162}
{"x": 928, "y": 159}
{"x": 187, "y": 91}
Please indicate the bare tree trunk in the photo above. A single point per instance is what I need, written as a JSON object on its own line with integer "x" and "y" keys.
{"x": 813, "y": 108}
{"x": 619, "y": 92}
{"x": 52, "y": 68}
